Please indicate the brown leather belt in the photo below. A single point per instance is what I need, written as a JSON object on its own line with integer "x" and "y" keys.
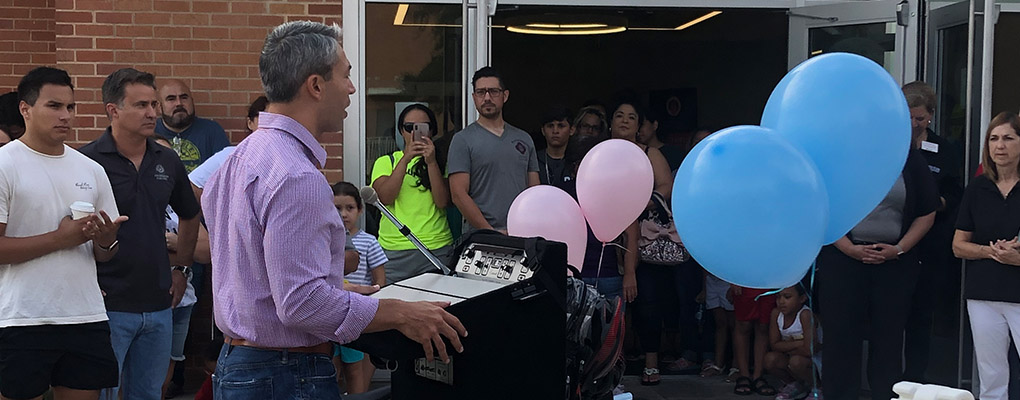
{"x": 322, "y": 348}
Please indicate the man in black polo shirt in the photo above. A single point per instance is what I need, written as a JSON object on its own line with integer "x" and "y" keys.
{"x": 140, "y": 285}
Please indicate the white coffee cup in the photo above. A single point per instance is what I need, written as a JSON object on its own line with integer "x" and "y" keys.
{"x": 81, "y": 209}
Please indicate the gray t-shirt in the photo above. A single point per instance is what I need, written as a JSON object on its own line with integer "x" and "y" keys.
{"x": 498, "y": 166}
{"x": 885, "y": 223}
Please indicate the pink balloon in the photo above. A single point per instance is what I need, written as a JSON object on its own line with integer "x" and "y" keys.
{"x": 549, "y": 212}
{"x": 614, "y": 184}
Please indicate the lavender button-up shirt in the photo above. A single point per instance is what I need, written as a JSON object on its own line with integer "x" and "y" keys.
{"x": 278, "y": 243}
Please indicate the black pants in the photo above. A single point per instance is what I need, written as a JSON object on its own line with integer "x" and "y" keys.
{"x": 863, "y": 302}
{"x": 666, "y": 297}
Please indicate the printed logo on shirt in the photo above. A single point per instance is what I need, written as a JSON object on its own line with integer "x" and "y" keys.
{"x": 83, "y": 186}
{"x": 521, "y": 148}
{"x": 161, "y": 173}
{"x": 934, "y": 169}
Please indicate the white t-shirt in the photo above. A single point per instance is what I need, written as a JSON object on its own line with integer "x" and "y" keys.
{"x": 172, "y": 221}
{"x": 200, "y": 175}
{"x": 36, "y": 191}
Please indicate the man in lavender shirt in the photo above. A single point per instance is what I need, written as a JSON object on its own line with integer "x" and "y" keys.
{"x": 278, "y": 242}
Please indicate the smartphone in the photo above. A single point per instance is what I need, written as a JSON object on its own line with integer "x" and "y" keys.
{"x": 421, "y": 130}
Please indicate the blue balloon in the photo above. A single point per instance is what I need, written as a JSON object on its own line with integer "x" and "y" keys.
{"x": 850, "y": 117}
{"x": 750, "y": 207}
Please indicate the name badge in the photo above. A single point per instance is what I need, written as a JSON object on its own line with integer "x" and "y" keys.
{"x": 929, "y": 146}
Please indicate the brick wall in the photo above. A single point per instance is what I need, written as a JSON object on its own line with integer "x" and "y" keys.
{"x": 212, "y": 45}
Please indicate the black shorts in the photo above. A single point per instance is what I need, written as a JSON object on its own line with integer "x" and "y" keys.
{"x": 33, "y": 358}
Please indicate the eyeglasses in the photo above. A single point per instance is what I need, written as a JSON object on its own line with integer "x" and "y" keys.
{"x": 590, "y": 127}
{"x": 493, "y": 92}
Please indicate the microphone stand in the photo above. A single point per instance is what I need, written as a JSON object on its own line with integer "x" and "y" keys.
{"x": 410, "y": 236}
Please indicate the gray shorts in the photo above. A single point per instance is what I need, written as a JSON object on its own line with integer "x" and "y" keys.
{"x": 405, "y": 264}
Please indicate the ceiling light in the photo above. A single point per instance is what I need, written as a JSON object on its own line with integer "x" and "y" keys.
{"x": 560, "y": 24}
{"x": 698, "y": 20}
{"x": 566, "y": 31}
{"x": 401, "y": 14}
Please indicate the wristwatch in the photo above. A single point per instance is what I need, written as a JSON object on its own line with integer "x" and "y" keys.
{"x": 108, "y": 248}
{"x": 186, "y": 270}
{"x": 899, "y": 251}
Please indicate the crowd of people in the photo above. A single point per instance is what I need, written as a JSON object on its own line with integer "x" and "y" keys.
{"x": 291, "y": 265}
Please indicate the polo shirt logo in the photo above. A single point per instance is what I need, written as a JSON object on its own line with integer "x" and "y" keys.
{"x": 161, "y": 173}
{"x": 83, "y": 186}
{"x": 521, "y": 148}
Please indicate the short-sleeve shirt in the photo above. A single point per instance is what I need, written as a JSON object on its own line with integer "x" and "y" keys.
{"x": 200, "y": 175}
{"x": 371, "y": 257}
{"x": 137, "y": 279}
{"x": 196, "y": 144}
{"x": 989, "y": 217}
{"x": 498, "y": 167}
{"x": 414, "y": 208}
{"x": 36, "y": 191}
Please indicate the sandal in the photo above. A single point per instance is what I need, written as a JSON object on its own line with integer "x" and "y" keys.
{"x": 762, "y": 387}
{"x": 710, "y": 369}
{"x": 743, "y": 386}
{"x": 681, "y": 364}
{"x": 646, "y": 379}
{"x": 732, "y": 375}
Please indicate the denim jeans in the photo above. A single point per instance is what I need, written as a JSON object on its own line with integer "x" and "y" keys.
{"x": 250, "y": 373}
{"x": 181, "y": 323}
{"x": 141, "y": 342}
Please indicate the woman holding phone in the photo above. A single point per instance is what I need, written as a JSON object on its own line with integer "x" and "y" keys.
{"x": 411, "y": 184}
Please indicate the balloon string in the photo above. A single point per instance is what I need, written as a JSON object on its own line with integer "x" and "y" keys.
{"x": 598, "y": 271}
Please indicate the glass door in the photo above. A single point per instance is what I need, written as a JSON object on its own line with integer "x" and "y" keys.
{"x": 885, "y": 31}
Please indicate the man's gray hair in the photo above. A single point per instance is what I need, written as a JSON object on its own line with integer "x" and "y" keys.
{"x": 293, "y": 52}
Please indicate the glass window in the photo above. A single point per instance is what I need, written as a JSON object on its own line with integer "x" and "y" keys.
{"x": 412, "y": 55}
{"x": 876, "y": 41}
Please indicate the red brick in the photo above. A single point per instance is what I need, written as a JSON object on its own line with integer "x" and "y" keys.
{"x": 249, "y": 33}
{"x": 134, "y": 31}
{"x": 64, "y": 55}
{"x": 210, "y": 33}
{"x": 332, "y": 163}
{"x": 75, "y": 69}
{"x": 113, "y": 18}
{"x": 325, "y": 9}
{"x": 150, "y": 18}
{"x": 43, "y": 36}
{"x": 244, "y": 59}
{"x": 74, "y": 16}
{"x": 159, "y": 70}
{"x": 87, "y": 135}
{"x": 228, "y": 20}
{"x": 43, "y": 13}
{"x": 281, "y": 9}
{"x": 175, "y": 32}
{"x": 130, "y": 56}
{"x": 31, "y": 47}
{"x": 6, "y": 24}
{"x": 190, "y": 45}
{"x": 114, "y": 43}
{"x": 133, "y": 5}
{"x": 43, "y": 59}
{"x": 17, "y": 13}
{"x": 65, "y": 4}
{"x": 172, "y": 57}
{"x": 94, "y": 5}
{"x": 107, "y": 69}
{"x": 74, "y": 42}
{"x": 253, "y": 72}
{"x": 265, "y": 20}
{"x": 6, "y": 46}
{"x": 209, "y": 58}
{"x": 84, "y": 121}
{"x": 239, "y": 7}
{"x": 22, "y": 69}
{"x": 189, "y": 19}
{"x": 332, "y": 137}
{"x": 151, "y": 44}
{"x": 31, "y": 25}
{"x": 210, "y": 6}
{"x": 93, "y": 30}
{"x": 333, "y": 176}
{"x": 229, "y": 45}
{"x": 93, "y": 55}
{"x": 175, "y": 6}
{"x": 15, "y": 35}
{"x": 210, "y": 84}
{"x": 64, "y": 29}
{"x": 190, "y": 70}
{"x": 90, "y": 82}
{"x": 227, "y": 71}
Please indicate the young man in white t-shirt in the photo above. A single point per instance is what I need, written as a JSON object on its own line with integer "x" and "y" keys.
{"x": 53, "y": 323}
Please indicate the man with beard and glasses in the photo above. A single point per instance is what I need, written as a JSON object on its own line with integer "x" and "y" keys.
{"x": 490, "y": 161}
{"x": 194, "y": 139}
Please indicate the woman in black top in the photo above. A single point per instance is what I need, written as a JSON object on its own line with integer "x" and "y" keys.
{"x": 986, "y": 233}
{"x": 869, "y": 275}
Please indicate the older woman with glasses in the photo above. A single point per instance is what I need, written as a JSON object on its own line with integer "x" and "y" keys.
{"x": 411, "y": 184}
{"x": 590, "y": 121}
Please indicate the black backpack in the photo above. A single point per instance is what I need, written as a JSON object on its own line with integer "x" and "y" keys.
{"x": 595, "y": 327}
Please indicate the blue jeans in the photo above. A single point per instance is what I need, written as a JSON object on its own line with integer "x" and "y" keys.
{"x": 248, "y": 373}
{"x": 182, "y": 321}
{"x": 141, "y": 343}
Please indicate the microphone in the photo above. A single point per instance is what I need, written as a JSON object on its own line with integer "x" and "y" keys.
{"x": 369, "y": 196}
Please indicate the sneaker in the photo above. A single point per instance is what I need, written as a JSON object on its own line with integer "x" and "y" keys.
{"x": 792, "y": 391}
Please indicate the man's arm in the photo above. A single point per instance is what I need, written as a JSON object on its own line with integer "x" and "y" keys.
{"x": 534, "y": 179}
{"x": 187, "y": 235}
{"x": 424, "y": 322}
{"x": 69, "y": 233}
{"x": 103, "y": 248}
{"x": 459, "y": 184}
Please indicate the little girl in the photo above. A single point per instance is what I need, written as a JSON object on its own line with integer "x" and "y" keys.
{"x": 791, "y": 334}
{"x": 357, "y": 370}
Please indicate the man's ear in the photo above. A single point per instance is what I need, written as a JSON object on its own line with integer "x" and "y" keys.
{"x": 111, "y": 110}
{"x": 23, "y": 108}
{"x": 314, "y": 85}
{"x": 506, "y": 95}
